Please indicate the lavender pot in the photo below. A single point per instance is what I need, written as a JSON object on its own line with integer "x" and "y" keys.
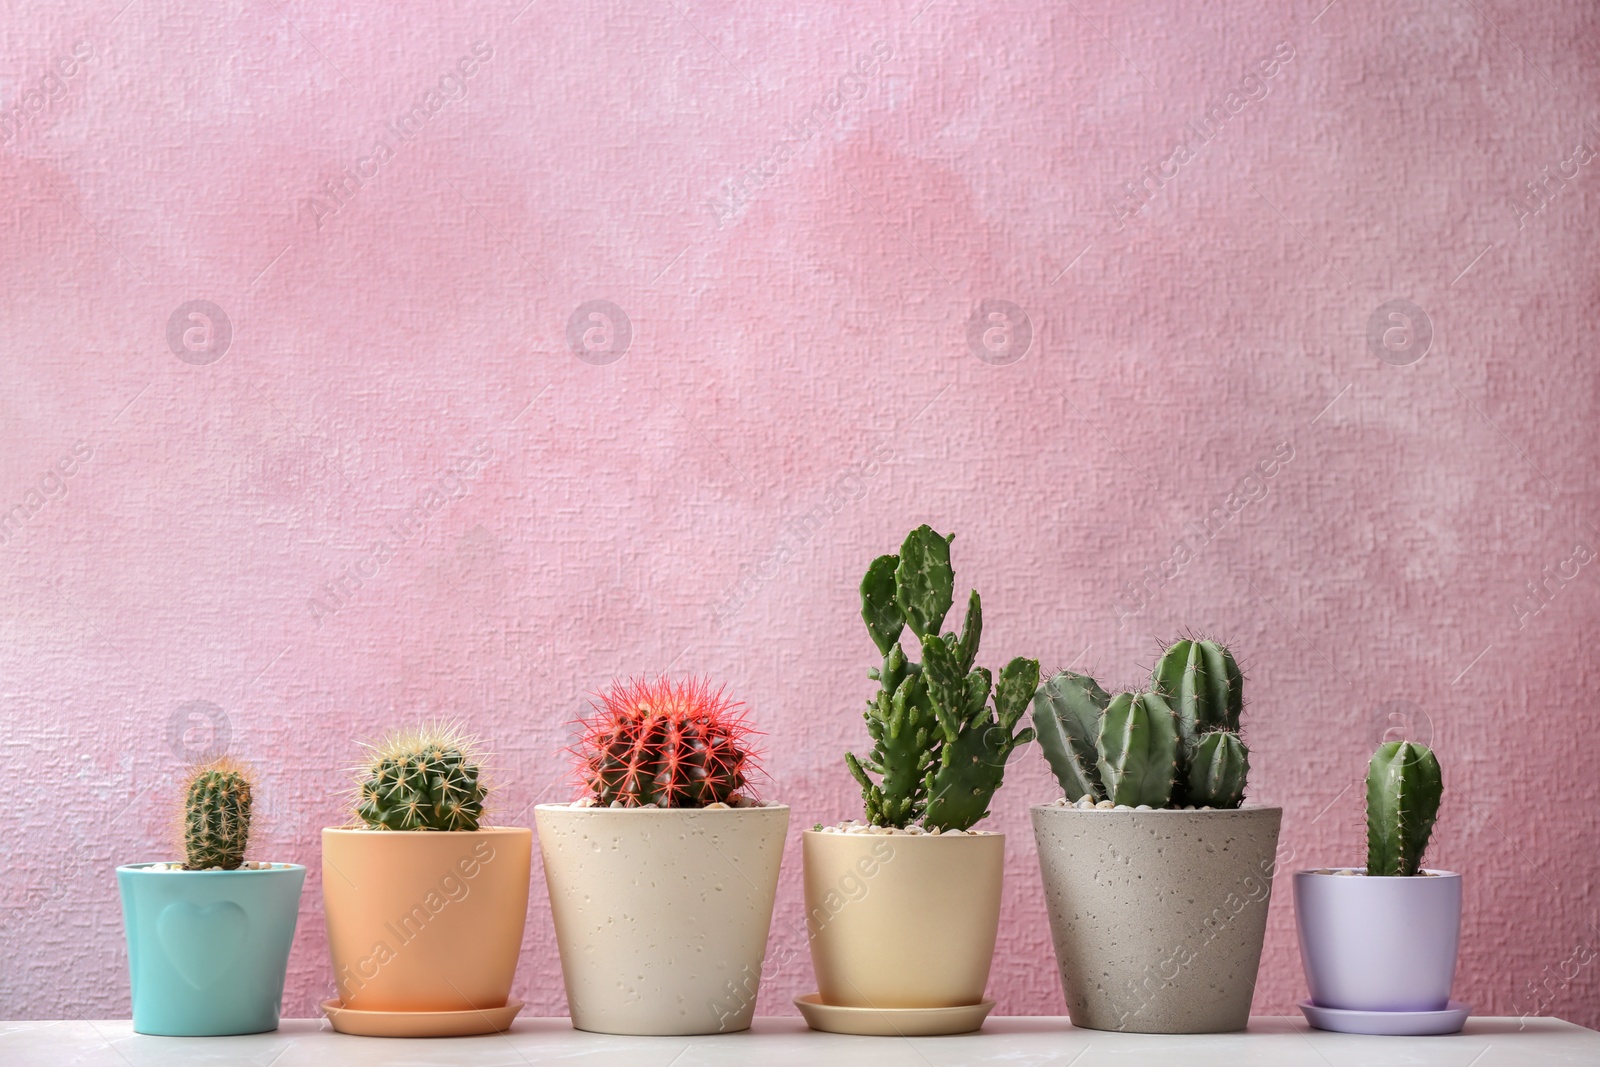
{"x": 1378, "y": 944}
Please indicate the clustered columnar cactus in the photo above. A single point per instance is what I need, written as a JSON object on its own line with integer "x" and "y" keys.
{"x": 671, "y": 744}
{"x": 1174, "y": 744}
{"x": 422, "y": 779}
{"x": 939, "y": 751}
{"x": 216, "y": 815}
{"x": 1403, "y": 791}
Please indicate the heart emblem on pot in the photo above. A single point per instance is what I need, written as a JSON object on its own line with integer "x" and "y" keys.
{"x": 201, "y": 940}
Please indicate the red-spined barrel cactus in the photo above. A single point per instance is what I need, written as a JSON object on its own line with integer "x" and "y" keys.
{"x": 671, "y": 744}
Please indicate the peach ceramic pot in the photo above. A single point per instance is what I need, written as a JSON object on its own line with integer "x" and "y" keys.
{"x": 902, "y": 920}
{"x": 424, "y": 920}
{"x": 661, "y": 914}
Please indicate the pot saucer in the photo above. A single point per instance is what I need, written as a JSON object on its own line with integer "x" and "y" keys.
{"x": 1388, "y": 1023}
{"x": 891, "y": 1022}
{"x": 421, "y": 1023}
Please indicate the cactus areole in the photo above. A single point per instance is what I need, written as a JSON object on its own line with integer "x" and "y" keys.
{"x": 667, "y": 744}
{"x": 942, "y": 729}
{"x": 1173, "y": 745}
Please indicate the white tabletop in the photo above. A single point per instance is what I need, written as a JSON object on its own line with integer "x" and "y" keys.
{"x": 1270, "y": 1042}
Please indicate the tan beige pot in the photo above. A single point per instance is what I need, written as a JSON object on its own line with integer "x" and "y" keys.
{"x": 902, "y": 920}
{"x": 1158, "y": 916}
{"x": 661, "y": 914}
{"x": 425, "y": 921}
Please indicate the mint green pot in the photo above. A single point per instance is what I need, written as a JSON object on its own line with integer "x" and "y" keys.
{"x": 207, "y": 950}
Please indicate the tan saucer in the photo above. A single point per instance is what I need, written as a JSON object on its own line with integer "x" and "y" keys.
{"x": 892, "y": 1022}
{"x": 421, "y": 1023}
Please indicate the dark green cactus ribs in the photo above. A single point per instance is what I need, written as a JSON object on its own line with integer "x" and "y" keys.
{"x": 216, "y": 815}
{"x": 1173, "y": 745}
{"x": 1404, "y": 786}
{"x": 424, "y": 779}
{"x": 942, "y": 729}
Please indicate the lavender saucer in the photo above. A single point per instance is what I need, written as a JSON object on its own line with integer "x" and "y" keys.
{"x": 1388, "y": 1023}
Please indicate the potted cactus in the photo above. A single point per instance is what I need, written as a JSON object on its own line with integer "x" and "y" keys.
{"x": 662, "y": 873}
{"x": 1156, "y": 878}
{"x": 1379, "y": 944}
{"x": 208, "y": 938}
{"x": 425, "y": 905}
{"x": 942, "y": 731}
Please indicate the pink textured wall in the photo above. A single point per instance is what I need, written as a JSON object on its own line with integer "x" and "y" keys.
{"x": 1191, "y": 427}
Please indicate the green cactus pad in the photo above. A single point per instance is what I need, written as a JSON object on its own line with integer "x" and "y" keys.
{"x": 939, "y": 750}
{"x": 1404, "y": 787}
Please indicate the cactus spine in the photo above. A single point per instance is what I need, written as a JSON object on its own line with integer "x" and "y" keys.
{"x": 939, "y": 749}
{"x": 1115, "y": 749}
{"x": 422, "y": 779}
{"x": 216, "y": 815}
{"x": 671, "y": 744}
{"x": 1404, "y": 786}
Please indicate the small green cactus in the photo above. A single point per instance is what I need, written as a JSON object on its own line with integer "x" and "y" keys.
{"x": 1404, "y": 787}
{"x": 1138, "y": 750}
{"x": 422, "y": 779}
{"x": 938, "y": 748}
{"x": 216, "y": 815}
{"x": 1219, "y": 763}
{"x": 1174, "y": 745}
{"x": 1066, "y": 719}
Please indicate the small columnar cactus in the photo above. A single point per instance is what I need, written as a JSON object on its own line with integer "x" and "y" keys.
{"x": 939, "y": 749}
{"x": 1404, "y": 787}
{"x": 422, "y": 779}
{"x": 670, "y": 744}
{"x": 1173, "y": 745}
{"x": 216, "y": 815}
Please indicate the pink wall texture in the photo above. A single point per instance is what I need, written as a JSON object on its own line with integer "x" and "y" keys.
{"x": 363, "y": 364}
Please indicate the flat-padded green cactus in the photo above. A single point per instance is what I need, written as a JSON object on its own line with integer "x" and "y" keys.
{"x": 216, "y": 815}
{"x": 1117, "y": 748}
{"x": 1404, "y": 787}
{"x": 422, "y": 779}
{"x": 939, "y": 749}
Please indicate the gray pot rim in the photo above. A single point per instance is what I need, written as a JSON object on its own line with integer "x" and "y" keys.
{"x": 1099, "y": 813}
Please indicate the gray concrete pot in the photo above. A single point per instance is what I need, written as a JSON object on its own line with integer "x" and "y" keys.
{"x": 1158, "y": 916}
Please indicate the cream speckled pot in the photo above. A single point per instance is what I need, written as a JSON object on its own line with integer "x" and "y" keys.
{"x": 1158, "y": 916}
{"x": 661, "y": 914}
{"x": 900, "y": 920}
